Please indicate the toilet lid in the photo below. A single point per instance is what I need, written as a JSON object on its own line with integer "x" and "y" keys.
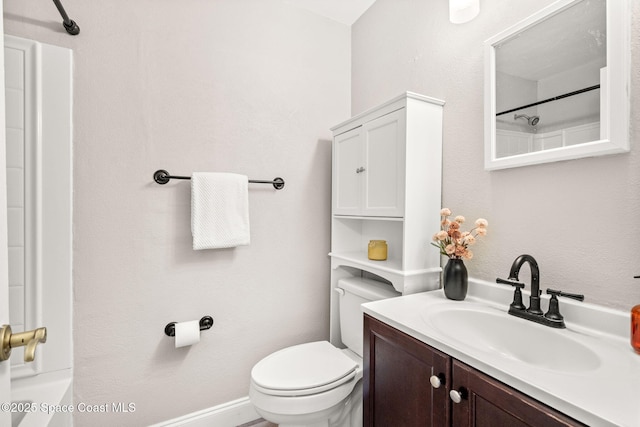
{"x": 311, "y": 367}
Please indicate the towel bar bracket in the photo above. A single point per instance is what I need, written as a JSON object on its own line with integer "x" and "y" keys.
{"x": 162, "y": 177}
{"x": 278, "y": 183}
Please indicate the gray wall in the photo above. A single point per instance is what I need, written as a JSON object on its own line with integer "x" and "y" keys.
{"x": 250, "y": 87}
{"x": 579, "y": 218}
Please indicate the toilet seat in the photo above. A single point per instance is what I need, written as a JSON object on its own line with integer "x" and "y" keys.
{"x": 303, "y": 370}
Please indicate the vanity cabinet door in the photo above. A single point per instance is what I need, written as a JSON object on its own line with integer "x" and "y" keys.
{"x": 488, "y": 402}
{"x": 397, "y": 372}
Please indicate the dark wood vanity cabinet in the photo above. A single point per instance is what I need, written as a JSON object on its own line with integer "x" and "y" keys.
{"x": 398, "y": 390}
{"x": 488, "y": 402}
{"x": 397, "y": 369}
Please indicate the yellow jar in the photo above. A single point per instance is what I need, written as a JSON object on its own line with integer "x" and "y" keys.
{"x": 378, "y": 250}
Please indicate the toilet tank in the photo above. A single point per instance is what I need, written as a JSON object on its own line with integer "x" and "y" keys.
{"x": 358, "y": 291}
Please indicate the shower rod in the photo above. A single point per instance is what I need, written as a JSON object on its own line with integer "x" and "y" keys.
{"x": 68, "y": 24}
{"x": 555, "y": 98}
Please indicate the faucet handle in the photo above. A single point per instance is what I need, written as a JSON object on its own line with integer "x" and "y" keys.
{"x": 554, "y": 309}
{"x": 565, "y": 294}
{"x": 517, "y": 294}
{"x": 511, "y": 282}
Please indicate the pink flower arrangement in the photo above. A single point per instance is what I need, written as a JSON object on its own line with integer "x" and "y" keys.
{"x": 453, "y": 242}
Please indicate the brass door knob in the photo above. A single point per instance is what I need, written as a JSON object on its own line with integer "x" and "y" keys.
{"x": 29, "y": 339}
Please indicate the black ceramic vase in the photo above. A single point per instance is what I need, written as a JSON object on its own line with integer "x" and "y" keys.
{"x": 454, "y": 279}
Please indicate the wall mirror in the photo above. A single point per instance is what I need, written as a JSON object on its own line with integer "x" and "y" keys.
{"x": 557, "y": 83}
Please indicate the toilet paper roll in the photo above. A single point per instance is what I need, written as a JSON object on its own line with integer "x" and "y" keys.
{"x": 187, "y": 333}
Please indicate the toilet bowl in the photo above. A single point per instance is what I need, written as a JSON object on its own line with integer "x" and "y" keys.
{"x": 317, "y": 384}
{"x": 306, "y": 385}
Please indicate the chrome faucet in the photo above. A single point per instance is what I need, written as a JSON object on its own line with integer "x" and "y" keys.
{"x": 553, "y": 317}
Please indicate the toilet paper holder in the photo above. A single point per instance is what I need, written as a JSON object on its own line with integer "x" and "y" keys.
{"x": 205, "y": 323}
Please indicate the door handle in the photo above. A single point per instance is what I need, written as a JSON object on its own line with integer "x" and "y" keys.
{"x": 28, "y": 339}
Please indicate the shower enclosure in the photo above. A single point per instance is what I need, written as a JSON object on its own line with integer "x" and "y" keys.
{"x": 38, "y": 102}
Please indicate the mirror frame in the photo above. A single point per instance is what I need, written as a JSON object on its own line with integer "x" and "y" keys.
{"x": 614, "y": 92}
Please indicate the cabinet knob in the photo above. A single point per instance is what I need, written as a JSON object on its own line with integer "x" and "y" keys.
{"x": 458, "y": 395}
{"x": 360, "y": 169}
{"x": 437, "y": 380}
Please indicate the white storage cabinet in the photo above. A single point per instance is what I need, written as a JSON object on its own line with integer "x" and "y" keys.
{"x": 386, "y": 185}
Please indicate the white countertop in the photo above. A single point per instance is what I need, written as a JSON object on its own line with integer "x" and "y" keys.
{"x": 606, "y": 395}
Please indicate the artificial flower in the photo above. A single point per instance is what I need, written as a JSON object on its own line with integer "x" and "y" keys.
{"x": 453, "y": 242}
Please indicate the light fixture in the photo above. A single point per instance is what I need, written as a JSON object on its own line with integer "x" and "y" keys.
{"x": 461, "y": 11}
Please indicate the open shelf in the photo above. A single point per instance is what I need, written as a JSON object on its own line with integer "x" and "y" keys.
{"x": 404, "y": 281}
{"x": 370, "y": 218}
{"x": 361, "y": 259}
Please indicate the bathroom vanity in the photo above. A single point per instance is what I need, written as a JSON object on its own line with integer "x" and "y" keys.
{"x": 430, "y": 361}
{"x": 409, "y": 383}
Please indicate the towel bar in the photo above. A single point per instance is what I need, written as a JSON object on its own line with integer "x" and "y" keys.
{"x": 162, "y": 177}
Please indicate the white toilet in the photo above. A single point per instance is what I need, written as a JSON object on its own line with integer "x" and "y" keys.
{"x": 317, "y": 384}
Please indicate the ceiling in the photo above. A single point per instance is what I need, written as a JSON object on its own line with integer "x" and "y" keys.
{"x": 344, "y": 11}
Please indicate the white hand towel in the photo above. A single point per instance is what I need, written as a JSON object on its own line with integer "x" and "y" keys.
{"x": 219, "y": 210}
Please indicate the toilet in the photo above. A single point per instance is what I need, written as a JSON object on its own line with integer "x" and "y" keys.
{"x": 317, "y": 384}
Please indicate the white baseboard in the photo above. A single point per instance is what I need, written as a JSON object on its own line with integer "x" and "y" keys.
{"x": 230, "y": 414}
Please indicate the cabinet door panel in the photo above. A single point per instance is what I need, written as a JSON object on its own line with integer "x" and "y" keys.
{"x": 494, "y": 416}
{"x": 397, "y": 391}
{"x": 488, "y": 402}
{"x": 385, "y": 165}
{"x": 347, "y": 182}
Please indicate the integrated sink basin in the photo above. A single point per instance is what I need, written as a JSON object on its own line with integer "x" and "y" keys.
{"x": 487, "y": 329}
